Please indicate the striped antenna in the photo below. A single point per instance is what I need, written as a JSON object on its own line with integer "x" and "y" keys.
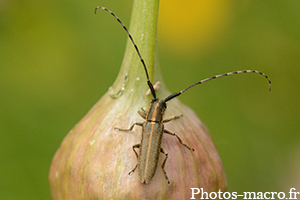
{"x": 135, "y": 46}
{"x": 214, "y": 77}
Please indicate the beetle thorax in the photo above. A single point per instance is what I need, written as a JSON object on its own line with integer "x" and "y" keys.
{"x": 156, "y": 111}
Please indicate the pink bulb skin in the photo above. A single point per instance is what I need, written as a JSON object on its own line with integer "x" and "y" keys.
{"x": 94, "y": 159}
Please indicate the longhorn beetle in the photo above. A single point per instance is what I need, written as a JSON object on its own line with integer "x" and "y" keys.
{"x": 153, "y": 127}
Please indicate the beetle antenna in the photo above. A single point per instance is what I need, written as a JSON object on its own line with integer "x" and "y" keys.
{"x": 135, "y": 46}
{"x": 214, "y": 77}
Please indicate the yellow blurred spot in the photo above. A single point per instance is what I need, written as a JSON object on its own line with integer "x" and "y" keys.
{"x": 192, "y": 25}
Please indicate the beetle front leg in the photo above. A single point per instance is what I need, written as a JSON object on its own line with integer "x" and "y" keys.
{"x": 142, "y": 113}
{"x": 174, "y": 134}
{"x": 130, "y": 129}
{"x": 137, "y": 156}
{"x": 172, "y": 118}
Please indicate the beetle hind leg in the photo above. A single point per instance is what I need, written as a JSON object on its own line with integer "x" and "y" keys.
{"x": 137, "y": 156}
{"x": 162, "y": 150}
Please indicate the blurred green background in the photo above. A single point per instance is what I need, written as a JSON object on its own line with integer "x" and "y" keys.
{"x": 57, "y": 58}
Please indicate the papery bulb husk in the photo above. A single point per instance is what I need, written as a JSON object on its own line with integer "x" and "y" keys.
{"x": 93, "y": 160}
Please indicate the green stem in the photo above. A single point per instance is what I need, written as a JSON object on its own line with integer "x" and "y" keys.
{"x": 143, "y": 28}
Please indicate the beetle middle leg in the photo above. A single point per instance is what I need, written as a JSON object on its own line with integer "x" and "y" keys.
{"x": 137, "y": 156}
{"x": 130, "y": 129}
{"x": 174, "y": 134}
{"x": 162, "y": 150}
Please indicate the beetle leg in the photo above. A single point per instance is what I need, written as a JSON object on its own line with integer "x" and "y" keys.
{"x": 162, "y": 150}
{"x": 130, "y": 129}
{"x": 142, "y": 113}
{"x": 174, "y": 134}
{"x": 133, "y": 147}
{"x": 144, "y": 110}
{"x": 172, "y": 118}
